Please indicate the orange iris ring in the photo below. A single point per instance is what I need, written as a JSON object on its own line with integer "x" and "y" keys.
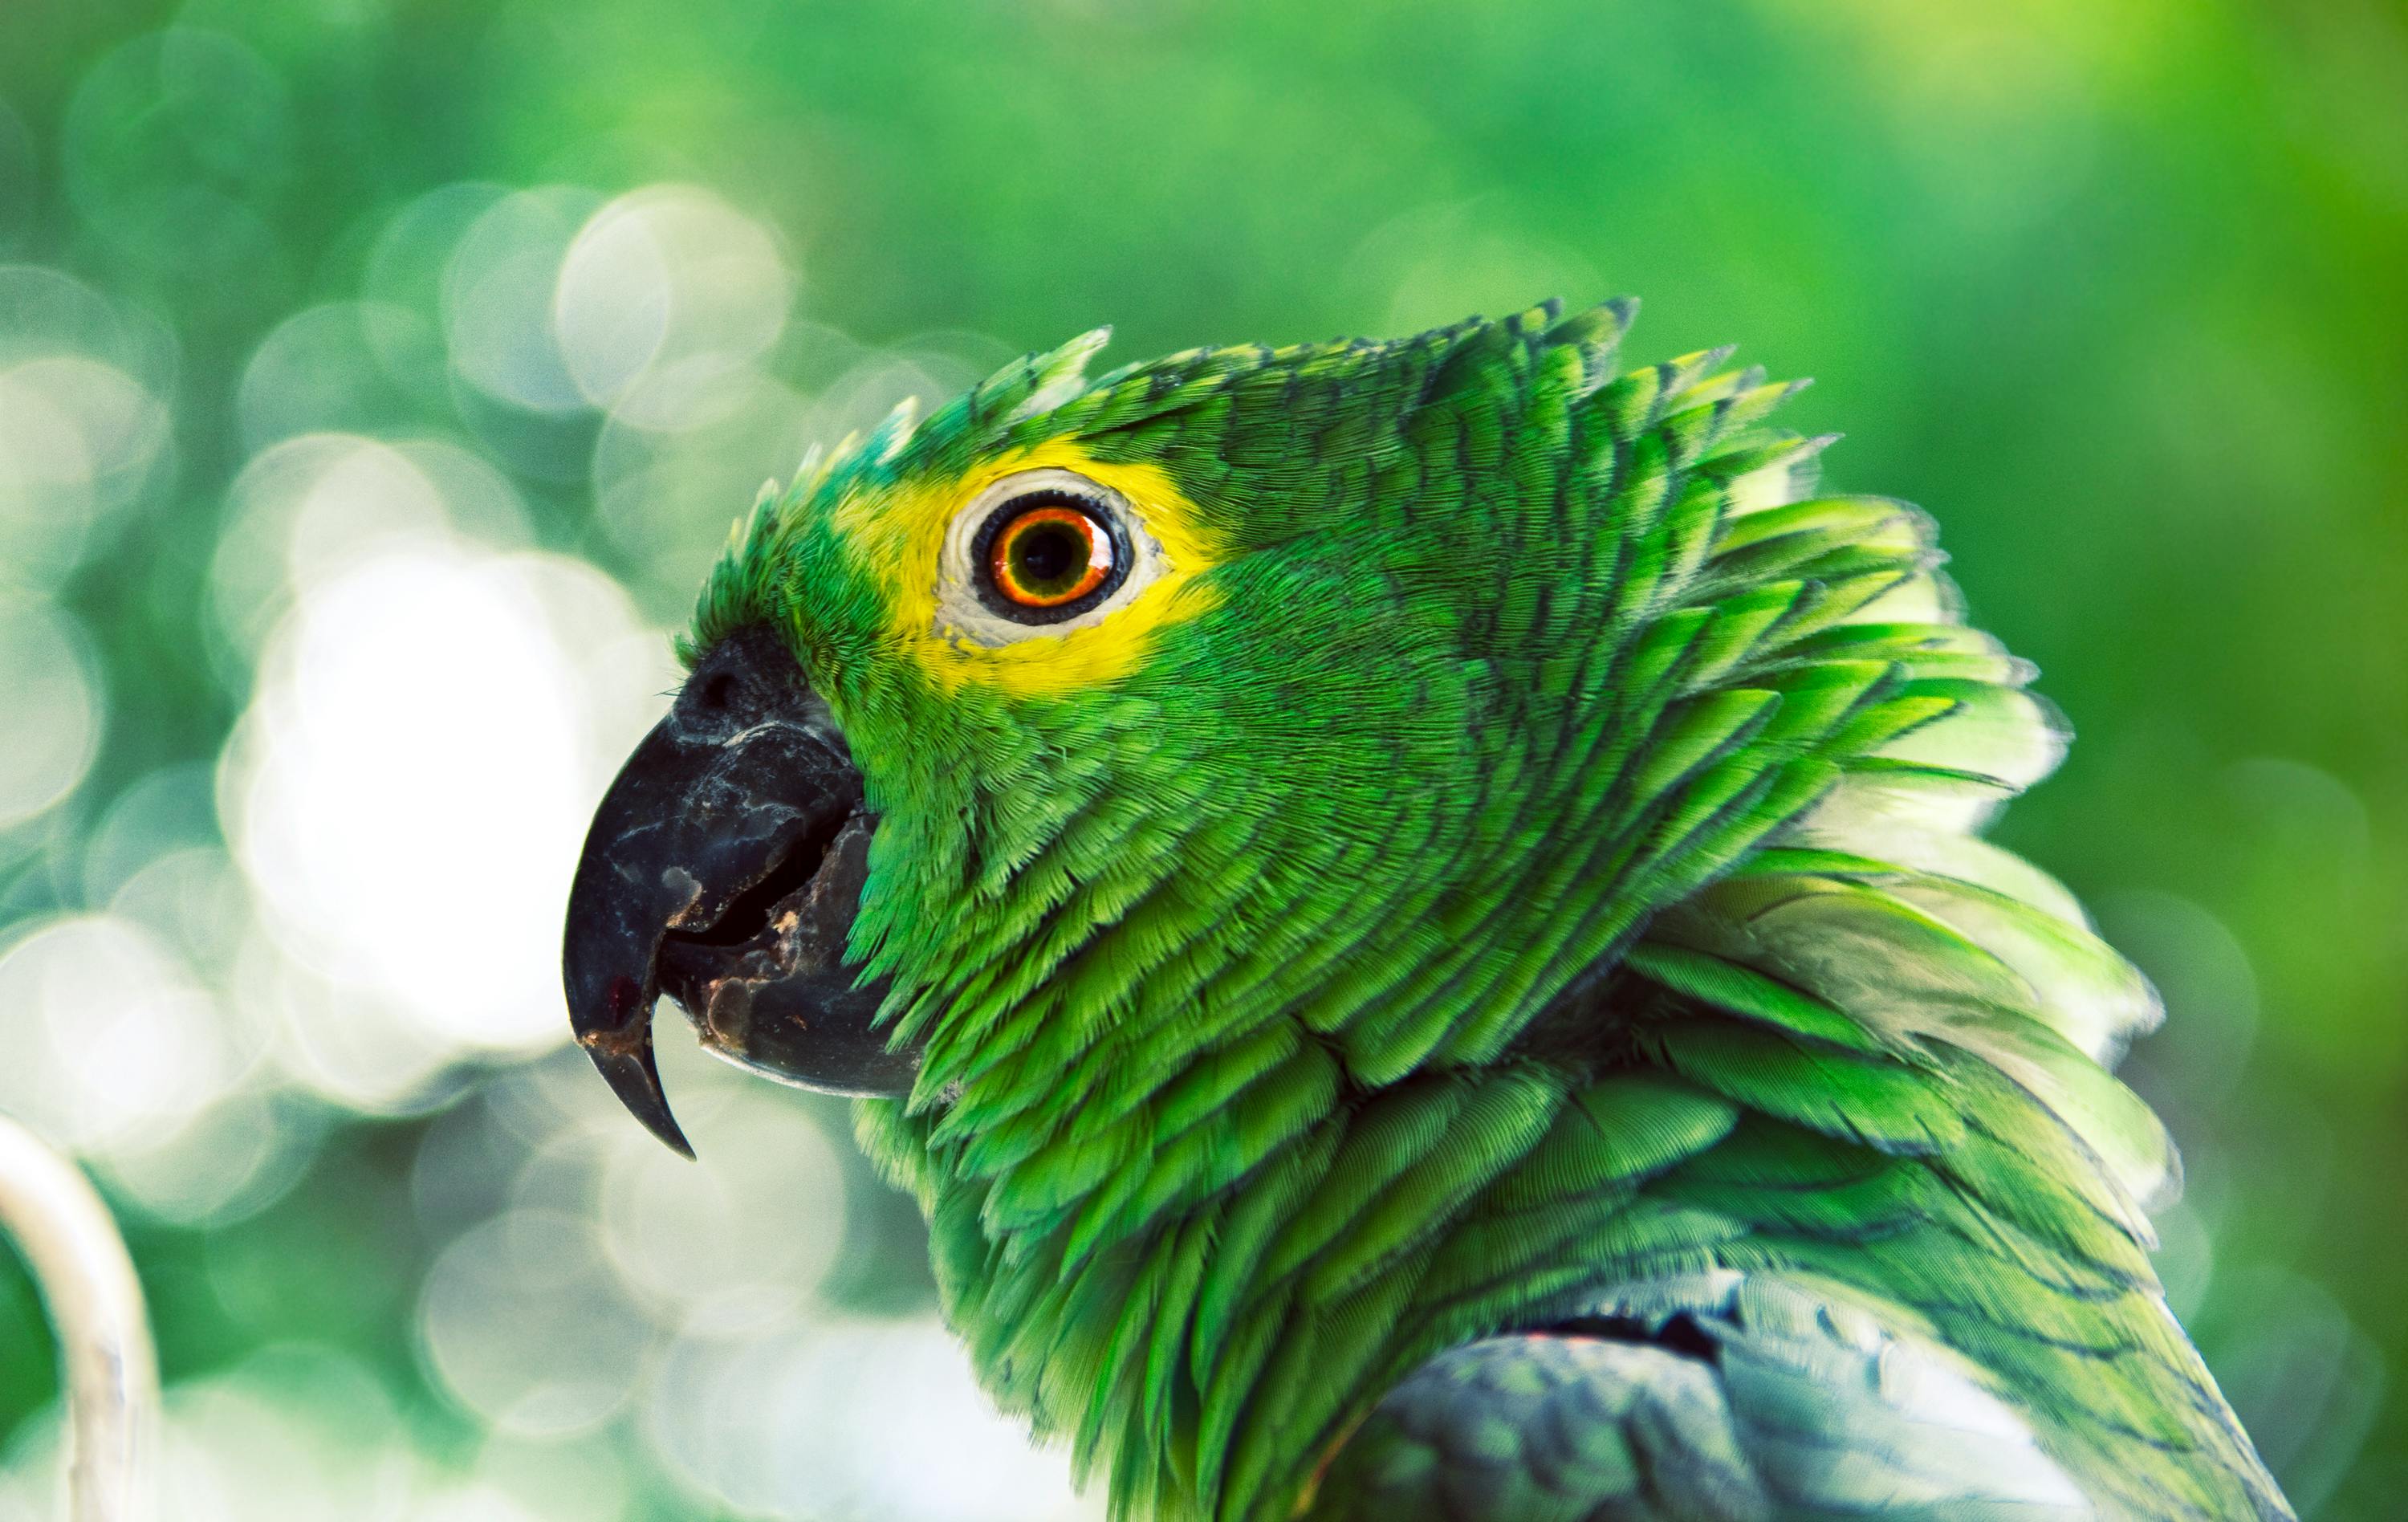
{"x": 1096, "y": 538}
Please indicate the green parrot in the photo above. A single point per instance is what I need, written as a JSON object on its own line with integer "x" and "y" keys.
{"x": 1414, "y": 915}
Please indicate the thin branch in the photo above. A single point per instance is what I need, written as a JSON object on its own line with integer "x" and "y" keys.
{"x": 94, "y": 1300}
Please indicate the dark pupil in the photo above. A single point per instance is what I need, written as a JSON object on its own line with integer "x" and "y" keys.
{"x": 1047, "y": 556}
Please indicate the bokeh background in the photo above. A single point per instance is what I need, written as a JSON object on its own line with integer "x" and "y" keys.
{"x": 378, "y": 377}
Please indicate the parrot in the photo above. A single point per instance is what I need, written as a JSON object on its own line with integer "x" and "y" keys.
{"x": 1416, "y": 916}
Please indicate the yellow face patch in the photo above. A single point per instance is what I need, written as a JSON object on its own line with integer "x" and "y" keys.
{"x": 902, "y": 534}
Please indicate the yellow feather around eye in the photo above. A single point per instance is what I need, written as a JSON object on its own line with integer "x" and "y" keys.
{"x": 902, "y": 531}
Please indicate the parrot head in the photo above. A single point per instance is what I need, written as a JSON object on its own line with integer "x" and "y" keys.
{"x": 1315, "y": 855}
{"x": 1090, "y": 727}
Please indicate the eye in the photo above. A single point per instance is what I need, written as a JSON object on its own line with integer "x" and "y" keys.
{"x": 1046, "y": 550}
{"x": 1043, "y": 552}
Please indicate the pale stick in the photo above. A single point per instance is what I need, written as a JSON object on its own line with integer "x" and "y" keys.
{"x": 87, "y": 1282}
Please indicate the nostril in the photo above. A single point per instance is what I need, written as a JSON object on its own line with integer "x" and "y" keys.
{"x": 718, "y": 690}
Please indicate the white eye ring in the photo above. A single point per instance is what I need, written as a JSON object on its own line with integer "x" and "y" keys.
{"x": 967, "y": 612}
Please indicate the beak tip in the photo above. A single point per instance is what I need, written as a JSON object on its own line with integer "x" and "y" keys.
{"x": 672, "y": 1136}
{"x": 636, "y": 1079}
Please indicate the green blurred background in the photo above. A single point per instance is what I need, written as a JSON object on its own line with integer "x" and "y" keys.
{"x": 376, "y": 378}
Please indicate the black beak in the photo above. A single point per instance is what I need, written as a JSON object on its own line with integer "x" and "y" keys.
{"x": 724, "y": 868}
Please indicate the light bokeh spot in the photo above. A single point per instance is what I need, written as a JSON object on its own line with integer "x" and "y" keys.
{"x": 410, "y": 791}
{"x": 867, "y": 1419}
{"x": 665, "y": 301}
{"x": 115, "y": 1046}
{"x": 524, "y": 1323}
{"x": 49, "y": 690}
{"x": 498, "y": 293}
